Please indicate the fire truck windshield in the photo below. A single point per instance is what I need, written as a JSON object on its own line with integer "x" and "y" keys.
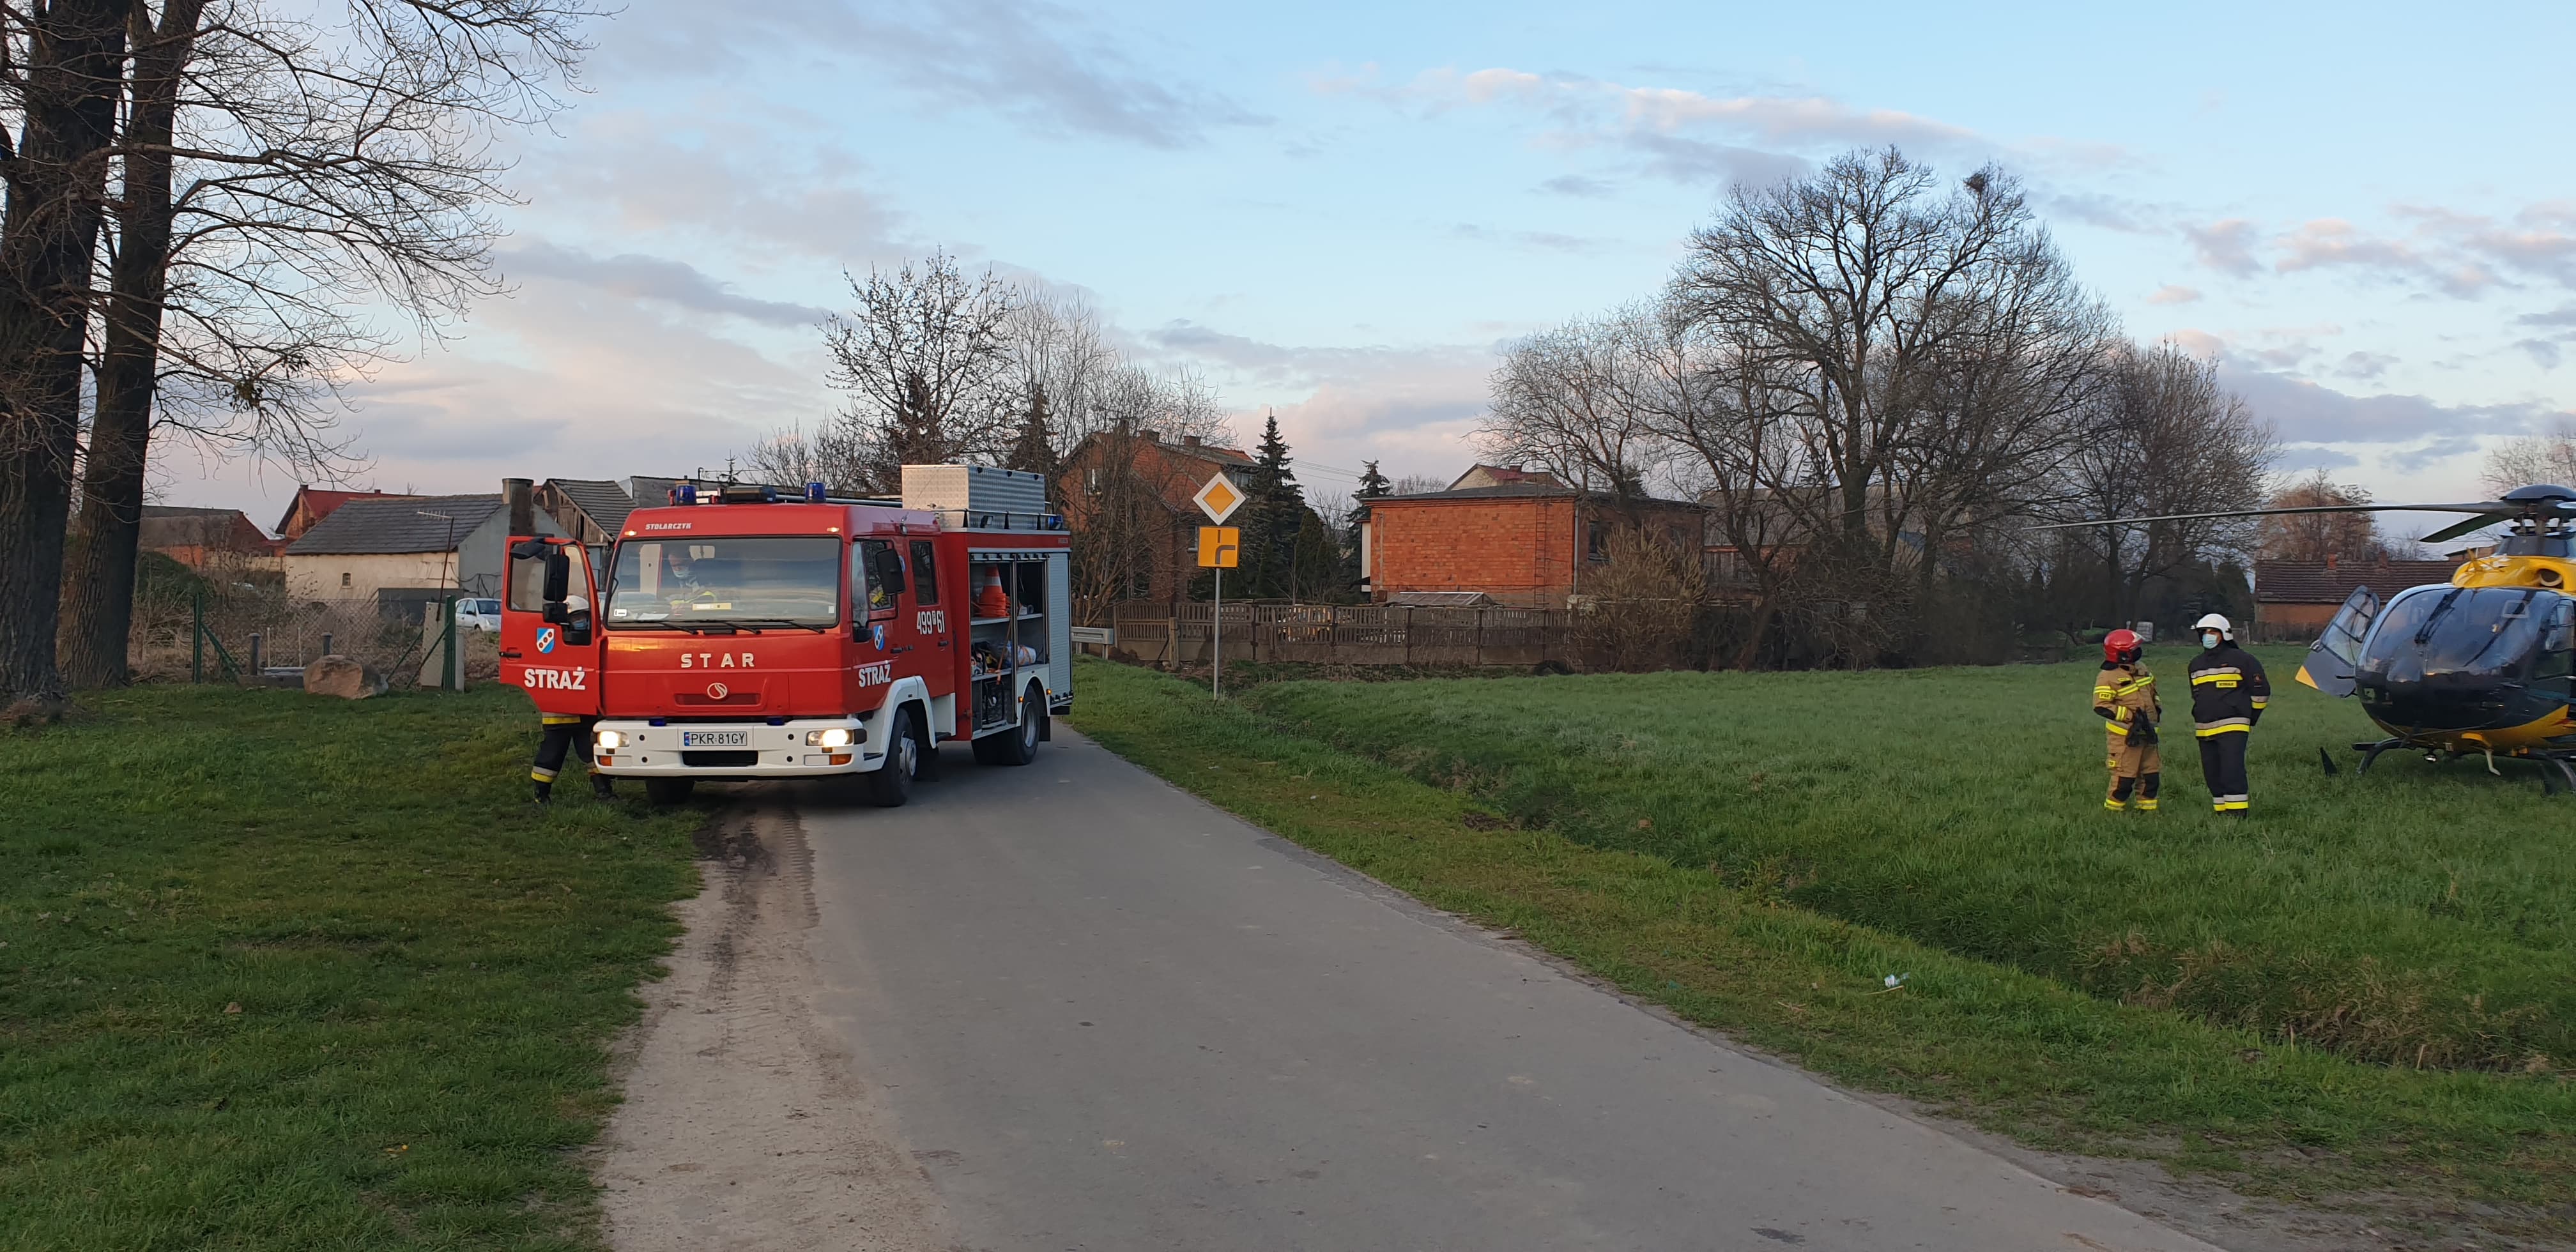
{"x": 662, "y": 583}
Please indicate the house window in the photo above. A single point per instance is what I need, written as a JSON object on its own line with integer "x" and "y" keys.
{"x": 344, "y": 578}
{"x": 1597, "y": 543}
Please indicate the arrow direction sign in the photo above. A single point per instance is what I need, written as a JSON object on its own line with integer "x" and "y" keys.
{"x": 1219, "y": 498}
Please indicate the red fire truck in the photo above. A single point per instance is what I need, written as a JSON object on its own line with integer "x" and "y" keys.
{"x": 745, "y": 632}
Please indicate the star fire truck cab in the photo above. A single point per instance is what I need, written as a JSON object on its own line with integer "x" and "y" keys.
{"x": 742, "y": 633}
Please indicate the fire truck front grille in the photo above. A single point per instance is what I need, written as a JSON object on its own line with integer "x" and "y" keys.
{"x": 718, "y": 759}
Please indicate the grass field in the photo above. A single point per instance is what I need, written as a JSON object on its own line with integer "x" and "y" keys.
{"x": 281, "y": 973}
{"x": 1760, "y": 851}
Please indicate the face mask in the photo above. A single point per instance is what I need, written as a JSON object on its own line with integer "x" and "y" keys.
{"x": 2209, "y": 641}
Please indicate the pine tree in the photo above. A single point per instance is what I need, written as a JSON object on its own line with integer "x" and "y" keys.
{"x": 1035, "y": 449}
{"x": 1372, "y": 485}
{"x": 1276, "y": 507}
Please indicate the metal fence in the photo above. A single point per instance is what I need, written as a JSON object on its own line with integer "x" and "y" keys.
{"x": 241, "y": 633}
{"x": 1340, "y": 634}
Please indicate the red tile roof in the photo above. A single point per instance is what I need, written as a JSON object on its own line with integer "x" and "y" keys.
{"x": 2321, "y": 582}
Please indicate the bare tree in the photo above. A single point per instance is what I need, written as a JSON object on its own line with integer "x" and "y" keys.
{"x": 1567, "y": 400}
{"x": 60, "y": 64}
{"x": 1415, "y": 484}
{"x": 925, "y": 355}
{"x": 2317, "y": 537}
{"x": 2549, "y": 458}
{"x": 1641, "y": 608}
{"x": 1869, "y": 295}
{"x": 280, "y": 179}
{"x": 2164, "y": 437}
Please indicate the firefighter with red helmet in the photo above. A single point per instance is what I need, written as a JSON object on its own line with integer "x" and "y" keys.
{"x": 2124, "y": 695}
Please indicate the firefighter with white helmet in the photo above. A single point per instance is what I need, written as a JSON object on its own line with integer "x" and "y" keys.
{"x": 2124, "y": 696}
{"x": 2228, "y": 695}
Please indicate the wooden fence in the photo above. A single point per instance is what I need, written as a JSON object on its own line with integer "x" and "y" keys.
{"x": 1341, "y": 634}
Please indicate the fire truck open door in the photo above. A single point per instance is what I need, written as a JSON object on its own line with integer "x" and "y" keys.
{"x": 551, "y": 643}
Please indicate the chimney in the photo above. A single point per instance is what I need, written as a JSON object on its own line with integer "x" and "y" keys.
{"x": 520, "y": 495}
{"x": 2330, "y": 560}
{"x": 1189, "y": 441}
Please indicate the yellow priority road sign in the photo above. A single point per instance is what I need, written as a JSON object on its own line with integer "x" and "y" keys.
{"x": 1218, "y": 545}
{"x": 1219, "y": 499}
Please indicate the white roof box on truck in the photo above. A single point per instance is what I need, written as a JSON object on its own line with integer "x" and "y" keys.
{"x": 980, "y": 497}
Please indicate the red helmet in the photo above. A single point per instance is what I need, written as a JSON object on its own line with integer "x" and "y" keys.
{"x": 2121, "y": 646}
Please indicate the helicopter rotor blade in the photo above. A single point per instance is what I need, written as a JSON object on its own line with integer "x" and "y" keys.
{"x": 2488, "y": 509}
{"x": 2457, "y": 529}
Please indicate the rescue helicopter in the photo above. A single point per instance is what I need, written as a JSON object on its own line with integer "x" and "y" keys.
{"x": 2482, "y": 665}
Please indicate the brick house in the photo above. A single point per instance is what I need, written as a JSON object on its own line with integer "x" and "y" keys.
{"x": 2295, "y": 599}
{"x": 1156, "y": 477}
{"x": 1526, "y": 543}
{"x": 192, "y": 537}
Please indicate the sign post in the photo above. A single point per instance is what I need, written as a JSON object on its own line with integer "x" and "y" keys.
{"x": 1218, "y": 546}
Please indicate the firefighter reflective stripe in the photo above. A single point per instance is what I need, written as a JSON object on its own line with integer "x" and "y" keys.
{"x": 2261, "y": 703}
{"x": 2216, "y": 673}
{"x": 2115, "y": 805}
{"x": 2232, "y": 725}
{"x": 2147, "y": 805}
{"x": 2229, "y": 804}
{"x": 2131, "y": 688}
{"x": 542, "y": 774}
{"x": 557, "y": 719}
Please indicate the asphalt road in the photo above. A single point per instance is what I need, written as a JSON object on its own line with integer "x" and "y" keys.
{"x": 1104, "y": 1015}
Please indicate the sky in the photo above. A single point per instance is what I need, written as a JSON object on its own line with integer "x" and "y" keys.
{"x": 1342, "y": 213}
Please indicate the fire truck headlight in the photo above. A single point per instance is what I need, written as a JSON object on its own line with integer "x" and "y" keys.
{"x": 610, "y": 741}
{"x": 834, "y": 737}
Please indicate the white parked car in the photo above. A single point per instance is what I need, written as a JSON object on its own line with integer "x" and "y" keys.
{"x": 479, "y": 614}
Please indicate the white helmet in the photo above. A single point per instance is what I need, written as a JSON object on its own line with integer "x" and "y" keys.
{"x": 2216, "y": 622}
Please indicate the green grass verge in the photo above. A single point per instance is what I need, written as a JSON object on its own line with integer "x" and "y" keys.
{"x": 2025, "y": 1053}
{"x": 283, "y": 972}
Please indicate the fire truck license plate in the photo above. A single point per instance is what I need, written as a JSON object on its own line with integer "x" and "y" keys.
{"x": 715, "y": 739}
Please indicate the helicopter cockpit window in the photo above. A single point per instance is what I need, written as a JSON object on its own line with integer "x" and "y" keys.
{"x": 2461, "y": 632}
{"x": 2558, "y": 642}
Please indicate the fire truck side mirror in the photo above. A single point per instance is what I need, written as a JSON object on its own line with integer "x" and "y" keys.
{"x": 558, "y": 583}
{"x": 889, "y": 571}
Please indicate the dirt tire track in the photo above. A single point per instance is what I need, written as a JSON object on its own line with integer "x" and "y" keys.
{"x": 744, "y": 1124}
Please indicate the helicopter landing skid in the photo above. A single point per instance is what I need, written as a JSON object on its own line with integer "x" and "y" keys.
{"x": 2370, "y": 752}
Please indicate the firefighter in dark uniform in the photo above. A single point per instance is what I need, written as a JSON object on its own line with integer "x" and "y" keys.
{"x": 2124, "y": 694}
{"x": 564, "y": 733}
{"x": 2228, "y": 694}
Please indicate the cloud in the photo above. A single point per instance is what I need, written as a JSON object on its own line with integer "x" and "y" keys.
{"x": 630, "y": 173}
{"x": 1686, "y": 136}
{"x": 1048, "y": 68}
{"x": 1577, "y": 185}
{"x": 2170, "y": 294}
{"x": 1694, "y": 162}
{"x": 2333, "y": 242}
{"x": 652, "y": 278}
{"x": 1545, "y": 240}
{"x": 1415, "y": 407}
{"x": 2308, "y": 412}
{"x": 1808, "y": 120}
{"x": 2458, "y": 254}
{"x": 2226, "y": 246}
{"x": 2365, "y": 365}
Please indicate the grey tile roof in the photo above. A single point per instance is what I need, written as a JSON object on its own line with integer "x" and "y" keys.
{"x": 604, "y": 501}
{"x": 368, "y": 525}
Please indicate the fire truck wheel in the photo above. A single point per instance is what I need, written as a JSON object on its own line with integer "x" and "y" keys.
{"x": 891, "y": 785}
{"x": 1020, "y": 746}
{"x": 669, "y": 790}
